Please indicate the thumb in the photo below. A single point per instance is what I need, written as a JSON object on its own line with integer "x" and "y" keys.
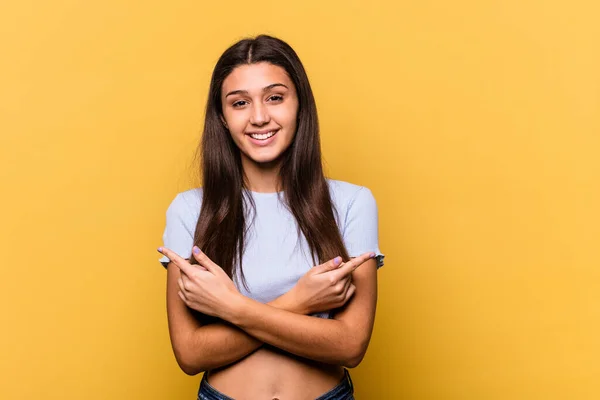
{"x": 329, "y": 265}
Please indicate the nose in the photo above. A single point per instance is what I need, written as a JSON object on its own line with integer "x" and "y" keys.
{"x": 260, "y": 114}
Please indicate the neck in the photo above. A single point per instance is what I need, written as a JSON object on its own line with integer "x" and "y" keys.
{"x": 263, "y": 177}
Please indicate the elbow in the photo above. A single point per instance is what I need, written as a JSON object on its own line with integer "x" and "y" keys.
{"x": 188, "y": 364}
{"x": 355, "y": 354}
{"x": 353, "y": 361}
{"x": 190, "y": 369}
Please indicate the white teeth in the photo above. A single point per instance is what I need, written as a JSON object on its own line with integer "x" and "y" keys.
{"x": 262, "y": 136}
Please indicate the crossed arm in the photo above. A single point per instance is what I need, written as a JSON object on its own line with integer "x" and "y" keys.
{"x": 247, "y": 324}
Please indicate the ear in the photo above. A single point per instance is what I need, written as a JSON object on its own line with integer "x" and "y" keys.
{"x": 223, "y": 121}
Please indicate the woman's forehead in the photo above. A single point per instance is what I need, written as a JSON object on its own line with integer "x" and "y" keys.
{"x": 255, "y": 77}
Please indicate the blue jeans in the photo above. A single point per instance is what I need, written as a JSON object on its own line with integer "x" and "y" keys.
{"x": 343, "y": 391}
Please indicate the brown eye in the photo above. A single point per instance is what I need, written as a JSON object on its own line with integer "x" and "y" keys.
{"x": 238, "y": 103}
{"x": 276, "y": 97}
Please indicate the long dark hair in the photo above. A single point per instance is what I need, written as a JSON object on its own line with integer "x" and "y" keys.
{"x": 221, "y": 226}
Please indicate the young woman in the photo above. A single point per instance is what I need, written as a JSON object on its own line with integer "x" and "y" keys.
{"x": 271, "y": 267}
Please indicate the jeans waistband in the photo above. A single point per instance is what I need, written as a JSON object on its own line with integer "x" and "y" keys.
{"x": 342, "y": 391}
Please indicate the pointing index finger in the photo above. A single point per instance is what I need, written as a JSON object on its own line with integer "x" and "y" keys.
{"x": 179, "y": 261}
{"x": 353, "y": 264}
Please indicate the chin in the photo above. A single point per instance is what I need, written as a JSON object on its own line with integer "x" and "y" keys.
{"x": 264, "y": 158}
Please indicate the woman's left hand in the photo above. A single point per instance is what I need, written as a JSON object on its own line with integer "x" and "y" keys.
{"x": 205, "y": 287}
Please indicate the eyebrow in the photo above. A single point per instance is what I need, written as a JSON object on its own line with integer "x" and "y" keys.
{"x": 266, "y": 88}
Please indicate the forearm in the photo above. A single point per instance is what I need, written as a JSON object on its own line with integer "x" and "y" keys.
{"x": 221, "y": 343}
{"x": 326, "y": 340}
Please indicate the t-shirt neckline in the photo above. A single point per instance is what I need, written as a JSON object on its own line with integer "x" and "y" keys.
{"x": 263, "y": 194}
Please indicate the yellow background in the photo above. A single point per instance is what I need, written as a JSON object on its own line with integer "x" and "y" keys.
{"x": 475, "y": 124}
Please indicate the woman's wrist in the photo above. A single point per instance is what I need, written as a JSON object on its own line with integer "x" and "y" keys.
{"x": 288, "y": 302}
{"x": 234, "y": 308}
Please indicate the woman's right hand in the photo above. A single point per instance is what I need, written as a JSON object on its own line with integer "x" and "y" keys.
{"x": 326, "y": 286}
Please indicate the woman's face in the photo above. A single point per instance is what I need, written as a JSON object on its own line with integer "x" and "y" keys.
{"x": 260, "y": 106}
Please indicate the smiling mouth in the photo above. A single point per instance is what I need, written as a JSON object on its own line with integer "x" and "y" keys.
{"x": 263, "y": 136}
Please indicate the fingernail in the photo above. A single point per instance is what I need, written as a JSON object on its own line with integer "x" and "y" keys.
{"x": 372, "y": 255}
{"x": 337, "y": 260}
{"x": 196, "y": 250}
{"x": 159, "y": 249}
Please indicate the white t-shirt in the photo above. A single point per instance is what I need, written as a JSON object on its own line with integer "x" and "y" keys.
{"x": 274, "y": 258}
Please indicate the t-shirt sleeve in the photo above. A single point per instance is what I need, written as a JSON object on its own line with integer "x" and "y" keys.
{"x": 361, "y": 227}
{"x": 178, "y": 235}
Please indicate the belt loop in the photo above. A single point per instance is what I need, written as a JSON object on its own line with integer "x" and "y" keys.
{"x": 349, "y": 380}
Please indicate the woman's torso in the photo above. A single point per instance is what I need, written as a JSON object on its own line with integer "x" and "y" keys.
{"x": 275, "y": 257}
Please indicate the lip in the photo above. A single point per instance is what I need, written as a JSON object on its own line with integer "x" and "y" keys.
{"x": 263, "y": 131}
{"x": 262, "y": 143}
